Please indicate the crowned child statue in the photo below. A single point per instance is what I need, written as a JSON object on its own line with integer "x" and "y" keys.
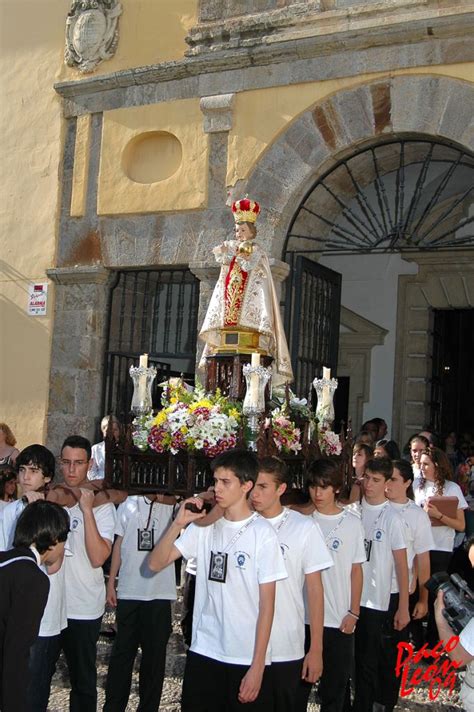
{"x": 244, "y": 314}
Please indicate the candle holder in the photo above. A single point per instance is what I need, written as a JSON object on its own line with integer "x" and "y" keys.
{"x": 256, "y": 379}
{"x": 325, "y": 389}
{"x": 142, "y": 378}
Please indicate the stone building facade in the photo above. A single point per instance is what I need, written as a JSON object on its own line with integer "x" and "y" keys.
{"x": 266, "y": 98}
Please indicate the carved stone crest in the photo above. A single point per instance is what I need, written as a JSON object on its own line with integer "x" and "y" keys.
{"x": 91, "y": 33}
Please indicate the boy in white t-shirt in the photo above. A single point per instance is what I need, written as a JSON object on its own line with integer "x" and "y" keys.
{"x": 142, "y": 602}
{"x": 306, "y": 556}
{"x": 344, "y": 537}
{"x": 385, "y": 546}
{"x": 90, "y": 544}
{"x": 36, "y": 465}
{"x": 238, "y": 561}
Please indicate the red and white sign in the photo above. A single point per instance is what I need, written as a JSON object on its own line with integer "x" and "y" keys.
{"x": 37, "y": 299}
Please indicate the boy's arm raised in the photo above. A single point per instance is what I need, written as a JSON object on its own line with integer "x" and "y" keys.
{"x": 165, "y": 552}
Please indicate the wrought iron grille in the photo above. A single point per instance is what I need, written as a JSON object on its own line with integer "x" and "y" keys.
{"x": 151, "y": 311}
{"x": 313, "y": 309}
{"x": 399, "y": 195}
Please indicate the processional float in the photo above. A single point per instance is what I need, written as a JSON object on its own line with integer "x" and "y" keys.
{"x": 246, "y": 400}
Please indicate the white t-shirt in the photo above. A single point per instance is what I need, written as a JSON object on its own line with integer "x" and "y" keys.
{"x": 225, "y": 614}
{"x": 97, "y": 470}
{"x": 85, "y": 586}
{"x": 304, "y": 552}
{"x": 344, "y": 537}
{"x": 54, "y": 618}
{"x": 136, "y": 581}
{"x": 417, "y": 534}
{"x": 384, "y": 532}
{"x": 443, "y": 536}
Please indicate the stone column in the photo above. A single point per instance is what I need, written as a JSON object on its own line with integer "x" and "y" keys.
{"x": 80, "y": 319}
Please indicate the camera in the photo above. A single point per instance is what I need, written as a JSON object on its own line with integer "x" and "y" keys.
{"x": 458, "y": 599}
{"x": 206, "y": 507}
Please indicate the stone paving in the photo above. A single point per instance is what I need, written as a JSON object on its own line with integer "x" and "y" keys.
{"x": 418, "y": 701}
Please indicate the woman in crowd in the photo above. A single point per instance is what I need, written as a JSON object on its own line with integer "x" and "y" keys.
{"x": 387, "y": 448}
{"x": 416, "y": 445}
{"x": 436, "y": 481}
{"x": 7, "y": 485}
{"x": 361, "y": 453}
{"x": 8, "y": 451}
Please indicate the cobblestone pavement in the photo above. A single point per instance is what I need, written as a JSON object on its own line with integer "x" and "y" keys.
{"x": 417, "y": 701}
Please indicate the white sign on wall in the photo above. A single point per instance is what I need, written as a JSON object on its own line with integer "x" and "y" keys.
{"x": 37, "y": 299}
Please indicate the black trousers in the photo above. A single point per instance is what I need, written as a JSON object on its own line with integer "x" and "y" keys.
{"x": 285, "y": 679}
{"x": 338, "y": 657}
{"x": 368, "y": 641}
{"x": 79, "y": 642}
{"x": 44, "y": 654}
{"x": 146, "y": 624}
{"x": 388, "y": 684}
{"x": 212, "y": 686}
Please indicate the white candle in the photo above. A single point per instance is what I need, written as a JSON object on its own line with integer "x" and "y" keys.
{"x": 142, "y": 390}
{"x": 326, "y": 399}
{"x": 255, "y": 363}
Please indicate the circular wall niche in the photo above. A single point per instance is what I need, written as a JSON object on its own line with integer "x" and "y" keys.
{"x": 152, "y": 157}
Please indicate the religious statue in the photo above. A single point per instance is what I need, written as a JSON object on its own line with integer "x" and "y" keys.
{"x": 244, "y": 314}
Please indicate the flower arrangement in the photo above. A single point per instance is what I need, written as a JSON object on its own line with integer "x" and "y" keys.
{"x": 329, "y": 442}
{"x": 286, "y": 436}
{"x": 189, "y": 420}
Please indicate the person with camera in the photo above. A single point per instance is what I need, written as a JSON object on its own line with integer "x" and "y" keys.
{"x": 464, "y": 650}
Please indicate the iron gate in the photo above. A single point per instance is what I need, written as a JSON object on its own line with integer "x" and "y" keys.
{"x": 151, "y": 311}
{"x": 312, "y": 311}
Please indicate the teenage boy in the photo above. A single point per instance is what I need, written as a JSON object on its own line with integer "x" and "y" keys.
{"x": 36, "y": 465}
{"x": 344, "y": 537}
{"x": 305, "y": 555}
{"x": 238, "y": 560}
{"x": 41, "y": 531}
{"x": 90, "y": 543}
{"x": 386, "y": 549}
{"x": 142, "y": 602}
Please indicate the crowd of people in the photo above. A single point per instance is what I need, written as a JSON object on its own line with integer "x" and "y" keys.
{"x": 279, "y": 596}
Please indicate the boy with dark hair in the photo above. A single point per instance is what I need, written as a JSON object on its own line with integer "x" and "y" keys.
{"x": 238, "y": 560}
{"x": 36, "y": 465}
{"x": 386, "y": 549}
{"x": 305, "y": 555}
{"x": 90, "y": 543}
{"x": 344, "y": 537}
{"x": 41, "y": 531}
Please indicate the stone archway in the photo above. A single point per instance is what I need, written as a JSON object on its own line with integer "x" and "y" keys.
{"x": 441, "y": 108}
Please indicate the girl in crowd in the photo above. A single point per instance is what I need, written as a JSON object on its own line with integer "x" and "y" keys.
{"x": 7, "y": 485}
{"x": 435, "y": 481}
{"x": 387, "y": 448}
{"x": 417, "y": 445}
{"x": 8, "y": 451}
{"x": 361, "y": 453}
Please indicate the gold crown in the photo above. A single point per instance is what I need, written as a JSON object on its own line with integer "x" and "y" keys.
{"x": 245, "y": 210}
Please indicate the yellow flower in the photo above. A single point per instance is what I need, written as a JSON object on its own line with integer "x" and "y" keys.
{"x": 234, "y": 413}
{"x": 174, "y": 399}
{"x": 160, "y": 418}
{"x": 184, "y": 429}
